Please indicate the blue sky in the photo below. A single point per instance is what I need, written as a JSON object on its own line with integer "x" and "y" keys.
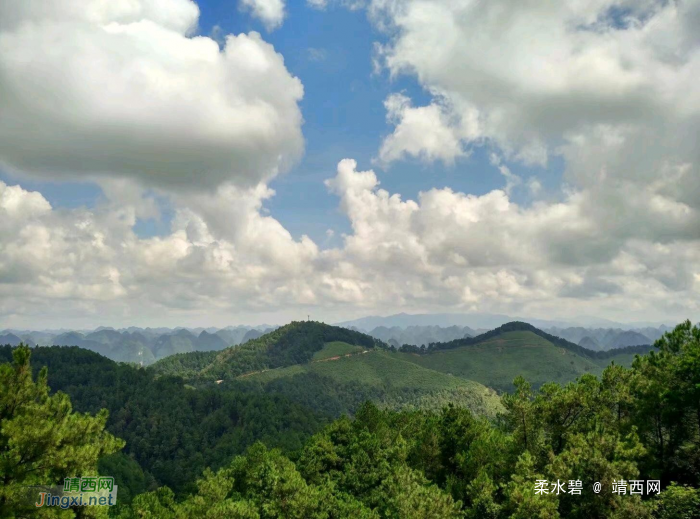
{"x": 552, "y": 142}
{"x": 331, "y": 52}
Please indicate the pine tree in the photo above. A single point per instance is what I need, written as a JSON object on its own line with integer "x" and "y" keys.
{"x": 42, "y": 441}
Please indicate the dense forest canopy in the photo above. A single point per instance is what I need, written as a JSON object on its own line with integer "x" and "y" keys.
{"x": 270, "y": 457}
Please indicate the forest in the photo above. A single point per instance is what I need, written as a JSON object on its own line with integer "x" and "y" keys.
{"x": 192, "y": 448}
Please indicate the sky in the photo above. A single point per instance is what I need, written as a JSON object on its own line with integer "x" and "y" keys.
{"x": 166, "y": 162}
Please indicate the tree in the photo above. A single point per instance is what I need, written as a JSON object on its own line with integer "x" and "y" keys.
{"x": 678, "y": 502}
{"x": 666, "y": 391}
{"x": 42, "y": 441}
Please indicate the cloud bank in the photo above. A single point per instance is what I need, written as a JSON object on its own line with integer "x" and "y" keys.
{"x": 122, "y": 89}
{"x": 125, "y": 94}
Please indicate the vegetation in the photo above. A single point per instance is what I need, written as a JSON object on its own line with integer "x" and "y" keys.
{"x": 295, "y": 343}
{"x": 336, "y": 349}
{"x": 495, "y": 359}
{"x": 637, "y": 423}
{"x": 42, "y": 440}
{"x": 517, "y": 326}
{"x": 629, "y": 424}
{"x": 340, "y": 385}
{"x": 172, "y": 433}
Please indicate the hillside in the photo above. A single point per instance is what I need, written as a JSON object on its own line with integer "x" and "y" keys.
{"x": 339, "y": 379}
{"x": 171, "y": 431}
{"x": 295, "y": 343}
{"x": 497, "y": 357}
{"x": 330, "y": 369}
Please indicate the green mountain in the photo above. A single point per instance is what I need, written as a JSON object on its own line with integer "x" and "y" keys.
{"x": 295, "y": 343}
{"x": 330, "y": 369}
{"x": 495, "y": 358}
{"x": 340, "y": 378}
{"x": 335, "y": 370}
{"x": 172, "y": 431}
{"x": 626, "y": 426}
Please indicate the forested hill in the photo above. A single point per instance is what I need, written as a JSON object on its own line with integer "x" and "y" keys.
{"x": 294, "y": 343}
{"x": 517, "y": 326}
{"x": 497, "y": 357}
{"x": 626, "y": 426}
{"x": 330, "y": 369}
{"x": 172, "y": 431}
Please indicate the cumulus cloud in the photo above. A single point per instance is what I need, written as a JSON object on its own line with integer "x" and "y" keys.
{"x": 488, "y": 253}
{"x": 123, "y": 93}
{"x": 538, "y": 75}
{"x": 607, "y": 86}
{"x": 224, "y": 256}
{"x": 220, "y": 254}
{"x": 122, "y": 89}
{"x": 270, "y": 12}
{"x": 424, "y": 132}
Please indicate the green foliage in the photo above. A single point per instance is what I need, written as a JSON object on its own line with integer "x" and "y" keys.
{"x": 172, "y": 432}
{"x": 518, "y": 327}
{"x": 635, "y": 423}
{"x": 340, "y": 386}
{"x": 335, "y": 349}
{"x": 678, "y": 502}
{"x": 666, "y": 389}
{"x": 295, "y": 343}
{"x": 127, "y": 474}
{"x": 495, "y": 359}
{"x": 42, "y": 441}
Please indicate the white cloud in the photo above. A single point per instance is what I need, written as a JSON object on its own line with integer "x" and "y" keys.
{"x": 315, "y": 54}
{"x": 121, "y": 92}
{"x": 488, "y": 253}
{"x": 120, "y": 89}
{"x": 270, "y": 12}
{"x": 223, "y": 257}
{"x": 536, "y": 74}
{"x": 424, "y": 132}
{"x": 317, "y": 4}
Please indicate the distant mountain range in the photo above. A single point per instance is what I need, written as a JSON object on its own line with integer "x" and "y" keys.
{"x": 335, "y": 369}
{"x": 147, "y": 345}
{"x": 484, "y": 321}
{"x": 596, "y": 339}
{"x": 423, "y": 329}
{"x": 421, "y": 335}
{"x": 600, "y": 339}
{"x": 140, "y": 345}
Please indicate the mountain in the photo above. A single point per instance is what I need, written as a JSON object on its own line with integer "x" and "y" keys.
{"x": 608, "y": 338}
{"x": 210, "y": 341}
{"x": 251, "y": 335}
{"x": 420, "y": 335}
{"x": 497, "y": 357}
{"x": 629, "y": 338}
{"x": 294, "y": 343}
{"x": 171, "y": 431}
{"x": 140, "y": 345}
{"x": 10, "y": 338}
{"x": 182, "y": 341}
{"x": 589, "y": 343}
{"x": 340, "y": 378}
{"x": 472, "y": 320}
{"x": 490, "y": 321}
{"x": 330, "y": 369}
{"x": 121, "y": 347}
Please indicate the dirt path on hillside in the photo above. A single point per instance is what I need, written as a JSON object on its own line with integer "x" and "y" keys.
{"x": 337, "y": 357}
